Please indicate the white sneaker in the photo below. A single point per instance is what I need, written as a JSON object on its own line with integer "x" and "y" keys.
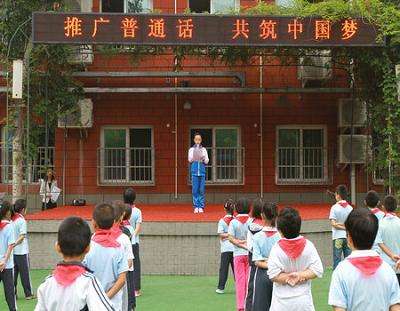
{"x": 196, "y": 210}
{"x": 201, "y": 210}
{"x": 220, "y": 291}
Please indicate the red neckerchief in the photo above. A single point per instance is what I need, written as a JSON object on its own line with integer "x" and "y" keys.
{"x": 258, "y": 221}
{"x": 106, "y": 238}
{"x": 126, "y": 223}
{"x": 293, "y": 248}
{"x": 390, "y": 214}
{"x": 343, "y": 203}
{"x": 269, "y": 232}
{"x": 375, "y": 210}
{"x": 17, "y": 216}
{"x": 116, "y": 230}
{"x": 4, "y": 224}
{"x": 227, "y": 219}
{"x": 242, "y": 218}
{"x": 66, "y": 273}
{"x": 367, "y": 265}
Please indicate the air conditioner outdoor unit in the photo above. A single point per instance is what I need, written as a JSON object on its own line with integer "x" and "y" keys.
{"x": 317, "y": 66}
{"x": 82, "y": 54}
{"x": 81, "y": 118}
{"x": 359, "y": 112}
{"x": 358, "y": 146}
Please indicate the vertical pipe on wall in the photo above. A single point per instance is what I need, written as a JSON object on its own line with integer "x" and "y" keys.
{"x": 261, "y": 130}
{"x": 176, "y": 121}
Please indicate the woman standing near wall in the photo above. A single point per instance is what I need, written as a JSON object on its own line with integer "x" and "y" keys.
{"x": 49, "y": 190}
{"x": 198, "y": 158}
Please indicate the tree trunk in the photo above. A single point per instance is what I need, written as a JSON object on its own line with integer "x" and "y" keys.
{"x": 18, "y": 154}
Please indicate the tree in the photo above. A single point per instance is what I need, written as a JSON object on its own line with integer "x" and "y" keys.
{"x": 42, "y": 94}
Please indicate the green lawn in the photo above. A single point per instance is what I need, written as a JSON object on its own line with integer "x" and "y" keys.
{"x": 182, "y": 293}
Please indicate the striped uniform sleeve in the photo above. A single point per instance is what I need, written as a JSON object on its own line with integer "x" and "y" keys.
{"x": 96, "y": 297}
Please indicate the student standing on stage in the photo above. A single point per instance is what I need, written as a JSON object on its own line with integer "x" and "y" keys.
{"x": 363, "y": 281}
{"x": 226, "y": 246}
{"x": 136, "y": 222}
{"x": 337, "y": 217}
{"x": 292, "y": 264}
{"x": 237, "y": 233}
{"x": 72, "y": 287}
{"x": 7, "y": 241}
{"x": 198, "y": 159}
{"x": 255, "y": 226}
{"x": 21, "y": 249}
{"x": 106, "y": 257}
{"x": 390, "y": 232}
{"x": 262, "y": 245}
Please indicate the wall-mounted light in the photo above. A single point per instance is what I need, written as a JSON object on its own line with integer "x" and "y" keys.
{"x": 187, "y": 105}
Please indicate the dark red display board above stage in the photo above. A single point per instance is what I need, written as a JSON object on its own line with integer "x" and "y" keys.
{"x": 199, "y": 30}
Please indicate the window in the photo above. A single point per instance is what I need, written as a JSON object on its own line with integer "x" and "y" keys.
{"x": 126, "y": 6}
{"x": 301, "y": 155}
{"x": 213, "y": 6}
{"x": 127, "y": 155}
{"x": 225, "y": 153}
{"x": 41, "y": 156}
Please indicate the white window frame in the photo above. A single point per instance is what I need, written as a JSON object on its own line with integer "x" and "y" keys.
{"x": 301, "y": 180}
{"x": 215, "y": 180}
{"x": 117, "y": 182}
{"x": 151, "y": 8}
{"x": 212, "y": 11}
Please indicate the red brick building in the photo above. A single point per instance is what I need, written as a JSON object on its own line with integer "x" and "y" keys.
{"x": 283, "y": 144}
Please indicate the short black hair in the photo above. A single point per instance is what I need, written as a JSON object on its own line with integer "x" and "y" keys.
{"x": 129, "y": 196}
{"x": 229, "y": 206}
{"x": 390, "y": 203}
{"x": 128, "y": 212}
{"x": 341, "y": 190}
{"x": 372, "y": 198}
{"x": 362, "y": 226}
{"x": 5, "y": 207}
{"x": 270, "y": 211}
{"x": 289, "y": 222}
{"x": 257, "y": 208}
{"x": 73, "y": 236}
{"x": 119, "y": 209}
{"x": 197, "y": 134}
{"x": 103, "y": 215}
{"x": 242, "y": 206}
{"x": 19, "y": 205}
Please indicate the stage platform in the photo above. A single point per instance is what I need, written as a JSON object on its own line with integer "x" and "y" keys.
{"x": 175, "y": 213}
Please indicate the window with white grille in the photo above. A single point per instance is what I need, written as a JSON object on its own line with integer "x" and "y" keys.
{"x": 301, "y": 155}
{"x": 126, "y": 6}
{"x": 213, "y": 6}
{"x": 126, "y": 155}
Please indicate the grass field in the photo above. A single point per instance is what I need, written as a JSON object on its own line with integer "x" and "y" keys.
{"x": 182, "y": 293}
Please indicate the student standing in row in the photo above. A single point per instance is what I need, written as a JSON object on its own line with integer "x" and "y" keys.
{"x": 292, "y": 264}
{"x": 72, "y": 287}
{"x": 226, "y": 246}
{"x": 136, "y": 222}
{"x": 390, "y": 234}
{"x": 255, "y": 226}
{"x": 7, "y": 241}
{"x": 21, "y": 249}
{"x": 337, "y": 217}
{"x": 237, "y": 236}
{"x": 262, "y": 245}
{"x": 363, "y": 281}
{"x": 106, "y": 257}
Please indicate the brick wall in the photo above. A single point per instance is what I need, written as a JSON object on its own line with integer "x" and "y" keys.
{"x": 169, "y": 248}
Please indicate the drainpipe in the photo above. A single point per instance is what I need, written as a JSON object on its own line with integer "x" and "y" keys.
{"x": 261, "y": 130}
{"x": 176, "y": 121}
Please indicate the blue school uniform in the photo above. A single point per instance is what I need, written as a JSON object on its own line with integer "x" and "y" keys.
{"x": 198, "y": 173}
{"x": 21, "y": 229}
{"x": 135, "y": 220}
{"x": 389, "y": 228}
{"x": 7, "y": 238}
{"x": 262, "y": 244}
{"x": 223, "y": 227}
{"x": 239, "y": 231}
{"x": 107, "y": 263}
{"x": 353, "y": 291}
